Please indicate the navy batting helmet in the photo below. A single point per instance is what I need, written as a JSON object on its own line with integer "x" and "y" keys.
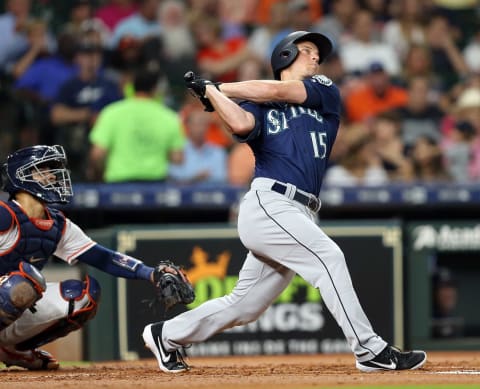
{"x": 286, "y": 51}
{"x": 40, "y": 171}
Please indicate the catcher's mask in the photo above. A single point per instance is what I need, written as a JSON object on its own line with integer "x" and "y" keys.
{"x": 286, "y": 50}
{"x": 40, "y": 171}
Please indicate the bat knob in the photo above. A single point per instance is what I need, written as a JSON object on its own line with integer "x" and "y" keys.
{"x": 189, "y": 76}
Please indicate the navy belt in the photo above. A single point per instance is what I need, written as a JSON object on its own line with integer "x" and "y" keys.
{"x": 309, "y": 201}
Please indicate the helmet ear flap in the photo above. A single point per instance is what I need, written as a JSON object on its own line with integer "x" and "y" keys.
{"x": 284, "y": 58}
{"x": 286, "y": 53}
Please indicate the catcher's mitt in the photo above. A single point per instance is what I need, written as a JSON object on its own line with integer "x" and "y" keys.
{"x": 172, "y": 286}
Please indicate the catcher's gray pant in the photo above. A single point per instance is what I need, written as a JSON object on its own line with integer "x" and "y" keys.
{"x": 283, "y": 239}
{"x": 49, "y": 310}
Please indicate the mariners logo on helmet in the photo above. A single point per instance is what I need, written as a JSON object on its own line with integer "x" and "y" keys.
{"x": 286, "y": 50}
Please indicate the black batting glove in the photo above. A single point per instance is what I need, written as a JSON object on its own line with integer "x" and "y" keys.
{"x": 197, "y": 87}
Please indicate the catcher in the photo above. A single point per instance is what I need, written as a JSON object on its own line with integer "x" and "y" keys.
{"x": 34, "y": 312}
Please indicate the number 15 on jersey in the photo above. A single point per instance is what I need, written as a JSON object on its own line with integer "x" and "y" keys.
{"x": 318, "y": 143}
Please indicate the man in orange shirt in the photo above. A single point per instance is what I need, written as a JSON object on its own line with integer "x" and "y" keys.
{"x": 377, "y": 95}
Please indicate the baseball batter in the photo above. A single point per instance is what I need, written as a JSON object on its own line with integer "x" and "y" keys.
{"x": 34, "y": 312}
{"x": 291, "y": 124}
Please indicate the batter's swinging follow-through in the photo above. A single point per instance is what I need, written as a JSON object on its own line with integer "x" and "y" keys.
{"x": 291, "y": 124}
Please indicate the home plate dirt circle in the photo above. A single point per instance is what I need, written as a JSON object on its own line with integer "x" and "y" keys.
{"x": 276, "y": 372}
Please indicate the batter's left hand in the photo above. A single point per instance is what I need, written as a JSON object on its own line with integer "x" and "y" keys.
{"x": 197, "y": 86}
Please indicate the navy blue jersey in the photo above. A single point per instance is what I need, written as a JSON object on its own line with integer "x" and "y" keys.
{"x": 292, "y": 143}
{"x": 95, "y": 95}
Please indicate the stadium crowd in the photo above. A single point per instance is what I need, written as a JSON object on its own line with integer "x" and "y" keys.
{"x": 408, "y": 72}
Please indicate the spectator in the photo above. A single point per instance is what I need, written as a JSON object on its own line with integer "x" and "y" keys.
{"x": 217, "y": 58}
{"x": 240, "y": 165}
{"x": 177, "y": 38}
{"x": 338, "y": 22}
{"x": 203, "y": 161}
{"x": 236, "y": 17}
{"x": 80, "y": 12}
{"x": 447, "y": 60}
{"x": 467, "y": 109}
{"x": 38, "y": 86}
{"x": 260, "y": 41}
{"x": 78, "y": 103}
{"x": 378, "y": 94}
{"x": 24, "y": 40}
{"x": 43, "y": 78}
{"x": 301, "y": 15}
{"x": 363, "y": 49}
{"x": 204, "y": 7}
{"x": 359, "y": 165}
{"x": 36, "y": 32}
{"x": 418, "y": 63}
{"x": 82, "y": 21}
{"x": 458, "y": 151}
{"x": 419, "y": 115}
{"x": 216, "y": 134}
{"x": 344, "y": 136}
{"x": 114, "y": 11}
{"x": 379, "y": 10}
{"x": 462, "y": 15}
{"x": 135, "y": 139}
{"x": 406, "y": 30}
{"x": 142, "y": 25}
{"x": 132, "y": 54}
{"x": 389, "y": 147}
{"x": 427, "y": 161}
{"x": 446, "y": 322}
{"x": 333, "y": 68}
{"x": 471, "y": 53}
{"x": 251, "y": 69}
{"x": 178, "y": 48}
{"x": 14, "y": 40}
{"x": 262, "y": 11}
{"x": 467, "y": 106}
{"x": 124, "y": 60}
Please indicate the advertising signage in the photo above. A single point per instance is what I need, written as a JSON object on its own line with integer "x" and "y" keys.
{"x": 298, "y": 322}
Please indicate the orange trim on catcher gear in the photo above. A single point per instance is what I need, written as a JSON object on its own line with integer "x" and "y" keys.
{"x": 92, "y": 304}
{"x": 15, "y": 220}
{"x": 22, "y": 273}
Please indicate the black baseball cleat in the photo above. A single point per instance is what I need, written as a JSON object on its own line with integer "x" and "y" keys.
{"x": 168, "y": 361}
{"x": 393, "y": 359}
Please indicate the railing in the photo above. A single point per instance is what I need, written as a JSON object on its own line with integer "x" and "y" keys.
{"x": 153, "y": 195}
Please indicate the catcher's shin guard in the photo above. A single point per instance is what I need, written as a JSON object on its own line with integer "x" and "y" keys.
{"x": 83, "y": 298}
{"x": 19, "y": 290}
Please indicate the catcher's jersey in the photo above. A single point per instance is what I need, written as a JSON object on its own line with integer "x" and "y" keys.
{"x": 72, "y": 243}
{"x": 292, "y": 143}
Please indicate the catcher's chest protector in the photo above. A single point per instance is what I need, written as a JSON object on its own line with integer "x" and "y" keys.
{"x": 35, "y": 244}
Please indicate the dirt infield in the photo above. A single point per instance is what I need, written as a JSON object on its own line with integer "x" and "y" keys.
{"x": 279, "y": 372}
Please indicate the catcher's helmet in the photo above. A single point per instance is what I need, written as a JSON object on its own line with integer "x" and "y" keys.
{"x": 40, "y": 171}
{"x": 286, "y": 51}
